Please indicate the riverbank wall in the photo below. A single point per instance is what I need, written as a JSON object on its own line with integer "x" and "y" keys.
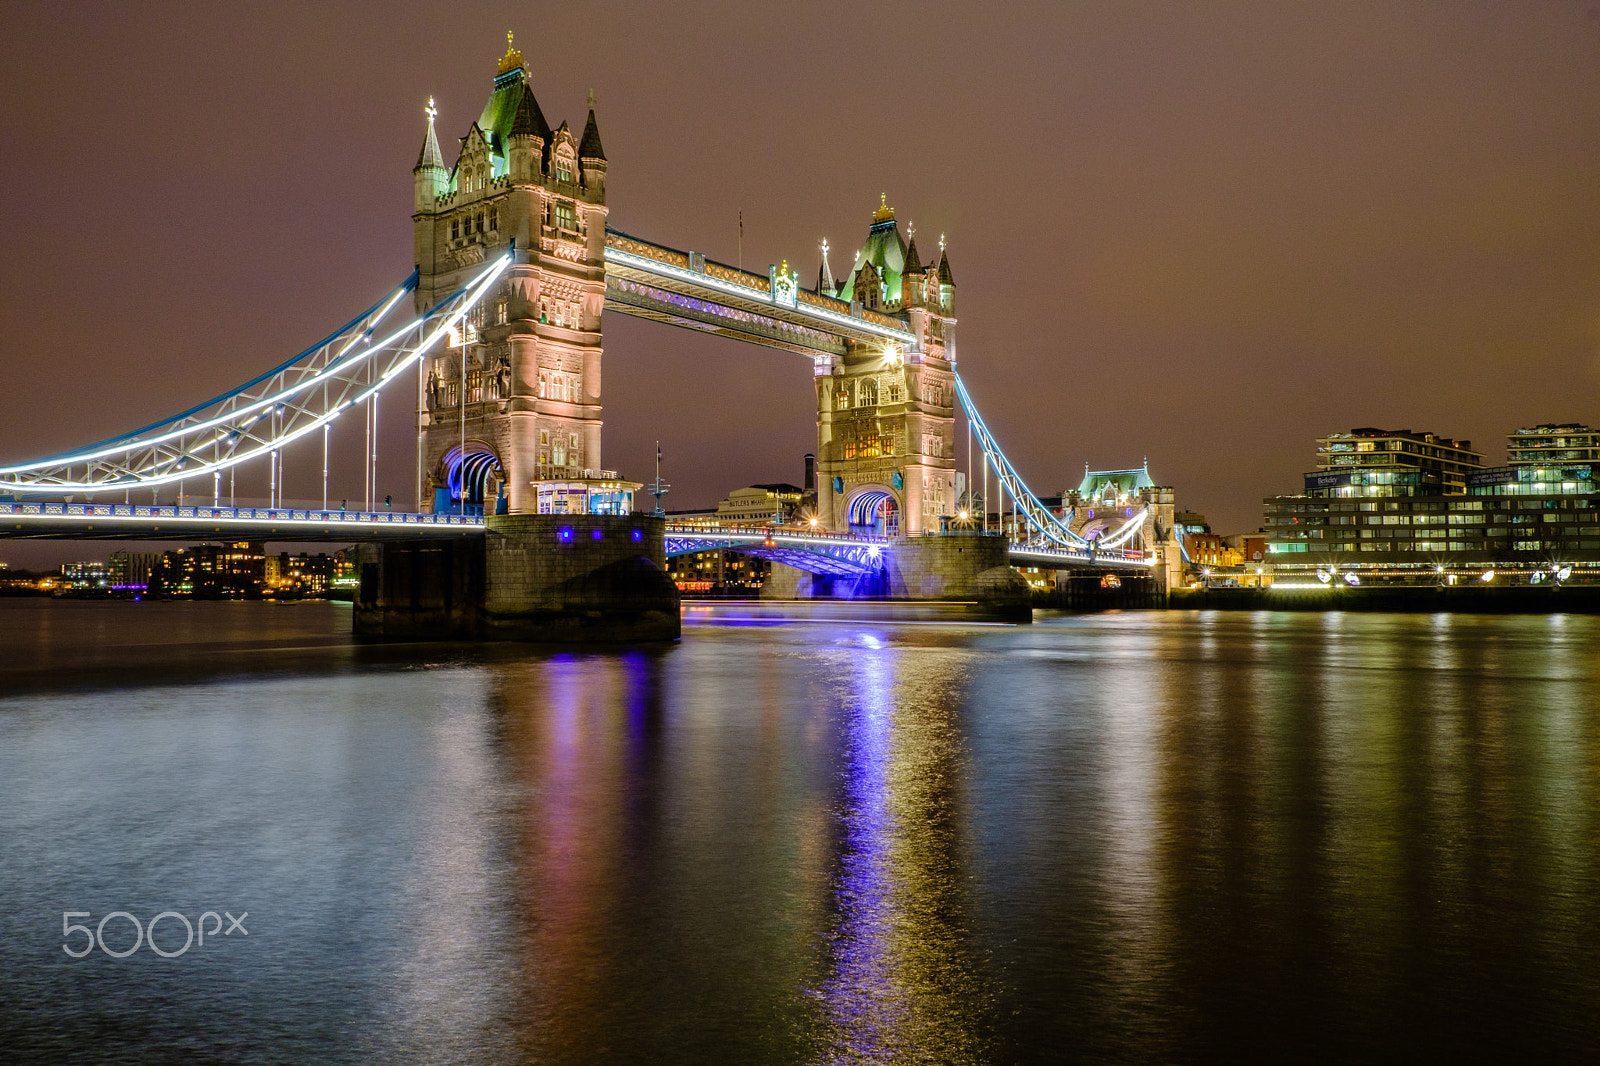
{"x": 1519, "y": 599}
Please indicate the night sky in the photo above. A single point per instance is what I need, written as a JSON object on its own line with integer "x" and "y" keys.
{"x": 1202, "y": 233}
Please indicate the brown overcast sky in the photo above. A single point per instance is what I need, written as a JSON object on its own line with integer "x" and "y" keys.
{"x": 1200, "y": 232}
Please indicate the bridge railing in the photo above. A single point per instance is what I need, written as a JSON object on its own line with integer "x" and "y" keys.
{"x": 682, "y": 530}
{"x": 150, "y": 512}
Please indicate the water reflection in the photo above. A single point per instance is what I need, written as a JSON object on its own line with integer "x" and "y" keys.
{"x": 1121, "y": 837}
{"x": 903, "y": 986}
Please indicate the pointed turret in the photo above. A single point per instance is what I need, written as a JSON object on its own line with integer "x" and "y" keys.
{"x": 589, "y": 147}
{"x": 529, "y": 119}
{"x": 591, "y": 156}
{"x": 947, "y": 283}
{"x": 528, "y": 138}
{"x": 430, "y": 176}
{"x": 913, "y": 260}
{"x": 825, "y": 283}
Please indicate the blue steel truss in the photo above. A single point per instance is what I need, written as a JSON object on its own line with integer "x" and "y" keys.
{"x": 839, "y": 554}
{"x": 262, "y": 415}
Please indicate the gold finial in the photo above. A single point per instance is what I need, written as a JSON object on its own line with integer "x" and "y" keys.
{"x": 911, "y": 230}
{"x": 884, "y": 213}
{"x": 512, "y": 59}
{"x": 591, "y": 99}
{"x": 941, "y": 244}
{"x": 431, "y": 111}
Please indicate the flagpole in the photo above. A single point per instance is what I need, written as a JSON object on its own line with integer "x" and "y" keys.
{"x": 741, "y": 238}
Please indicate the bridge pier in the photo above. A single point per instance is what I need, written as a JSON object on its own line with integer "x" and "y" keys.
{"x": 544, "y": 578}
{"x": 946, "y": 567}
{"x": 578, "y": 578}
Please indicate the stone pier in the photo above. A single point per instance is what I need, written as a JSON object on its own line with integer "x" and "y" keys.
{"x": 545, "y": 578}
{"x": 947, "y": 567}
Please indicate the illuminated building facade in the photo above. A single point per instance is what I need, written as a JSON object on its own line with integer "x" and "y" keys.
{"x": 90, "y": 575}
{"x": 584, "y": 496}
{"x": 515, "y": 397}
{"x": 302, "y": 574}
{"x": 718, "y": 572}
{"x": 233, "y": 571}
{"x": 885, "y": 417}
{"x": 1543, "y": 506}
{"x": 1391, "y": 462}
{"x": 761, "y": 505}
{"x": 132, "y": 570}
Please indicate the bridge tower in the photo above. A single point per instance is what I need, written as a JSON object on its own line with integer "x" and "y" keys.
{"x": 515, "y": 397}
{"x": 886, "y": 417}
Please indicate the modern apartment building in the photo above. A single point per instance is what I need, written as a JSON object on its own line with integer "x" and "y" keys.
{"x": 1391, "y": 462}
{"x": 1429, "y": 501}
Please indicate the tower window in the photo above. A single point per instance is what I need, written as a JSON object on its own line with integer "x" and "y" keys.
{"x": 494, "y": 218}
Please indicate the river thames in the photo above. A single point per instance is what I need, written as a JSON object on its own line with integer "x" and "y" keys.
{"x": 799, "y": 837}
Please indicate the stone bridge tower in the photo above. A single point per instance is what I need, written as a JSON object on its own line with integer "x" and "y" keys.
{"x": 515, "y": 397}
{"x": 886, "y": 417}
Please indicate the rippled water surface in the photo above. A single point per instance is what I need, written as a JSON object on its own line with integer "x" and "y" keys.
{"x": 1135, "y": 837}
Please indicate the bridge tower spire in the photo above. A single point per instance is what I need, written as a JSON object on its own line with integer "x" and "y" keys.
{"x": 429, "y": 175}
{"x": 885, "y": 414}
{"x": 513, "y": 402}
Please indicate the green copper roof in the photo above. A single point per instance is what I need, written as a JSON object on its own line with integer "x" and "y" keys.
{"x": 511, "y": 108}
{"x": 887, "y": 254}
{"x": 1126, "y": 482}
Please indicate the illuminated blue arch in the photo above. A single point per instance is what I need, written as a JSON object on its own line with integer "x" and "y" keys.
{"x": 466, "y": 477}
{"x": 874, "y": 510}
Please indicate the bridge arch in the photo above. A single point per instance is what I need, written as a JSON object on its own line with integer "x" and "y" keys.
{"x": 874, "y": 509}
{"x": 471, "y": 480}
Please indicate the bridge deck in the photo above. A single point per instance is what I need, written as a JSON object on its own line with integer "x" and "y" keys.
{"x": 121, "y": 521}
{"x": 815, "y": 550}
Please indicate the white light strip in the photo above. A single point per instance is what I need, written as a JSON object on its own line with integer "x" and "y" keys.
{"x": 651, "y": 266}
{"x": 1124, "y": 533}
{"x": 239, "y": 412}
{"x": 468, "y": 302}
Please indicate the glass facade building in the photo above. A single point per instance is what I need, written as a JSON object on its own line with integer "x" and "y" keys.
{"x": 1429, "y": 502}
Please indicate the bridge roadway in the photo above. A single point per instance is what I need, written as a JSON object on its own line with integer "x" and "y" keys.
{"x": 815, "y": 551}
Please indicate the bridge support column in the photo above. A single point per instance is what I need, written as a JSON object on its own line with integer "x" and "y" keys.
{"x": 578, "y": 578}
{"x": 422, "y": 591}
{"x": 961, "y": 567}
{"x": 549, "y": 578}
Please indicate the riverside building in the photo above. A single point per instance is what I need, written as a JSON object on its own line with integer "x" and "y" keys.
{"x": 1407, "y": 501}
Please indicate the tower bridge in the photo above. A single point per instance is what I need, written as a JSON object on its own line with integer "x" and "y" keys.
{"x": 501, "y": 362}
